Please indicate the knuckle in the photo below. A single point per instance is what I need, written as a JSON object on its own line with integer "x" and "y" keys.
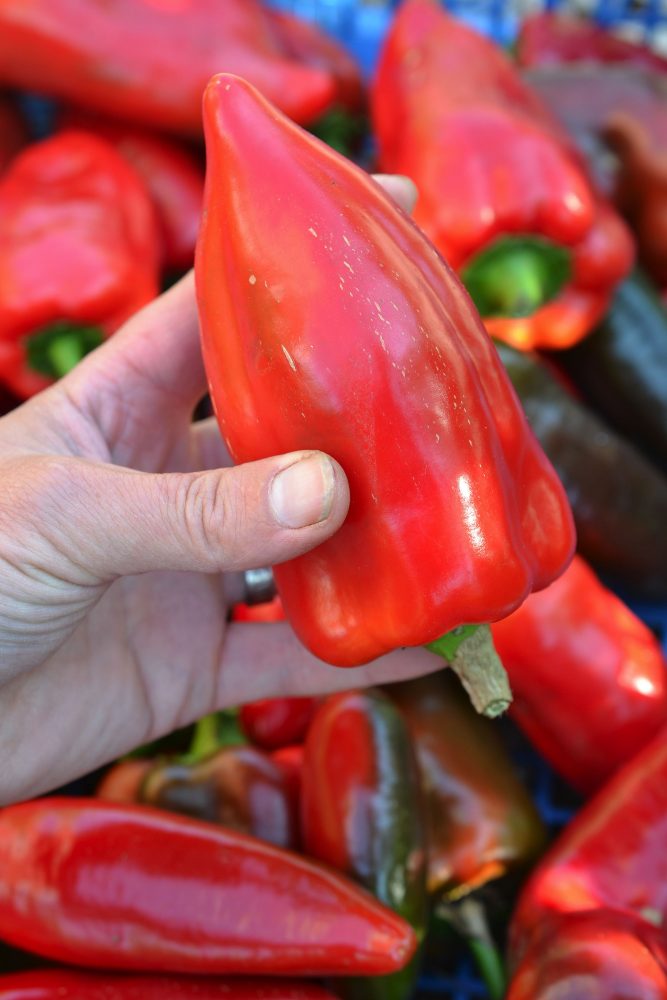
{"x": 213, "y": 514}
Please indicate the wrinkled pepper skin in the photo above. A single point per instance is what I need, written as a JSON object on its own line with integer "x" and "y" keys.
{"x": 551, "y": 38}
{"x": 98, "y": 884}
{"x": 611, "y": 856}
{"x": 361, "y": 811}
{"x": 621, "y": 369}
{"x": 576, "y": 638}
{"x": 323, "y": 306}
{"x": 277, "y": 722}
{"x": 481, "y": 822}
{"x": 452, "y": 113}
{"x": 78, "y": 243}
{"x": 13, "y": 134}
{"x": 173, "y": 176}
{"x": 238, "y": 787}
{"x": 619, "y": 499}
{"x": 602, "y": 955}
{"x": 64, "y": 984}
{"x": 148, "y": 62}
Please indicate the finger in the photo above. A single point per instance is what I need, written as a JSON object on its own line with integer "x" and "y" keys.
{"x": 400, "y": 188}
{"x": 115, "y": 521}
{"x": 208, "y": 447}
{"x": 268, "y": 661}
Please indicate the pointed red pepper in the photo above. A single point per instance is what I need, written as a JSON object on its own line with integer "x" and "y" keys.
{"x": 329, "y": 322}
{"x": 502, "y": 192}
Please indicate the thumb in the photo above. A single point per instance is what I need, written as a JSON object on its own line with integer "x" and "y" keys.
{"x": 118, "y": 521}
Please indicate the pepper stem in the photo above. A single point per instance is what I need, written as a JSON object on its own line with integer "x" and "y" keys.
{"x": 470, "y": 652}
{"x": 56, "y": 349}
{"x": 516, "y": 275}
{"x": 469, "y": 920}
{"x": 205, "y": 737}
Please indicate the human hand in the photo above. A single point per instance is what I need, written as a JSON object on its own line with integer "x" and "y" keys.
{"x": 121, "y": 526}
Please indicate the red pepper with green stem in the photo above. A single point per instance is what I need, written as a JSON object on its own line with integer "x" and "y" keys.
{"x": 105, "y": 885}
{"x": 574, "y": 645}
{"x": 64, "y": 984}
{"x": 330, "y": 322}
{"x": 502, "y": 192}
{"x": 78, "y": 255}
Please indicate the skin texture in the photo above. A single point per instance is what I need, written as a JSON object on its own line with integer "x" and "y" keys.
{"x": 110, "y": 571}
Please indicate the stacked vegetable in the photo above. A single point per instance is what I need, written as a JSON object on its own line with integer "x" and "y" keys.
{"x": 303, "y": 847}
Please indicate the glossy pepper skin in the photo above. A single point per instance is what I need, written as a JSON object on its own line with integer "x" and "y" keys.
{"x": 64, "y": 984}
{"x": 172, "y": 174}
{"x": 452, "y": 113}
{"x": 105, "y": 885}
{"x": 277, "y": 722}
{"x": 481, "y": 822}
{"x": 550, "y": 38}
{"x": 148, "y": 62}
{"x": 329, "y": 322}
{"x": 592, "y": 956}
{"x": 78, "y": 244}
{"x": 611, "y": 856}
{"x": 578, "y": 639}
{"x": 239, "y": 787}
{"x": 361, "y": 811}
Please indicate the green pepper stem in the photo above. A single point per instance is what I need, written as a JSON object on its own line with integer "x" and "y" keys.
{"x": 516, "y": 275}
{"x": 56, "y": 349}
{"x": 469, "y": 920}
{"x": 205, "y": 738}
{"x": 64, "y": 353}
{"x": 470, "y": 652}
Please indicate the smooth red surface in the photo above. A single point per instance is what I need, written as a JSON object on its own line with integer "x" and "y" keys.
{"x": 270, "y": 611}
{"x": 329, "y": 322}
{"x": 149, "y": 60}
{"x": 78, "y": 242}
{"x": 549, "y": 38}
{"x": 589, "y": 678}
{"x": 277, "y": 722}
{"x": 451, "y": 112}
{"x": 63, "y": 984}
{"x": 99, "y": 884}
{"x": 612, "y": 855}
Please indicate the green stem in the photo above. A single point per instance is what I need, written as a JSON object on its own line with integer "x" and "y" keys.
{"x": 56, "y": 349}
{"x": 469, "y": 920}
{"x": 470, "y": 652}
{"x": 205, "y": 738}
{"x": 516, "y": 275}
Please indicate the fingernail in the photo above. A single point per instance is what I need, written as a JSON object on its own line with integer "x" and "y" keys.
{"x": 303, "y": 493}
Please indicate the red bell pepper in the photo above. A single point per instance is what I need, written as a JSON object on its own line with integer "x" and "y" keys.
{"x": 502, "y": 192}
{"x": 550, "y": 38}
{"x": 239, "y": 787}
{"x": 78, "y": 255}
{"x": 361, "y": 810}
{"x": 577, "y": 640}
{"x": 611, "y": 857}
{"x": 481, "y": 822}
{"x": 329, "y": 322}
{"x": 63, "y": 984}
{"x": 277, "y": 722}
{"x": 173, "y": 176}
{"x": 99, "y": 884}
{"x": 149, "y": 62}
{"x": 13, "y": 134}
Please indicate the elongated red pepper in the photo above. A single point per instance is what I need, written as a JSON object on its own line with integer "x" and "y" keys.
{"x": 550, "y": 37}
{"x": 502, "y": 192}
{"x": 172, "y": 175}
{"x": 100, "y": 884}
{"x": 63, "y": 984}
{"x": 611, "y": 857}
{"x": 13, "y": 134}
{"x": 78, "y": 255}
{"x": 481, "y": 822}
{"x": 149, "y": 62}
{"x": 575, "y": 640}
{"x": 330, "y": 322}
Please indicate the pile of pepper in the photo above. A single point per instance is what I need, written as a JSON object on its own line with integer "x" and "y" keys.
{"x": 320, "y": 847}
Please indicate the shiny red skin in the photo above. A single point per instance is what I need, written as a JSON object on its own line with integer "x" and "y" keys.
{"x": 13, "y": 134}
{"x": 149, "y": 62}
{"x": 329, "y": 322}
{"x": 270, "y": 611}
{"x": 174, "y": 179}
{"x": 451, "y": 112}
{"x": 105, "y": 885}
{"x": 575, "y": 640}
{"x": 550, "y": 38}
{"x": 290, "y": 760}
{"x": 63, "y": 984}
{"x": 593, "y": 956}
{"x": 78, "y": 242}
{"x": 277, "y": 722}
{"x": 611, "y": 856}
